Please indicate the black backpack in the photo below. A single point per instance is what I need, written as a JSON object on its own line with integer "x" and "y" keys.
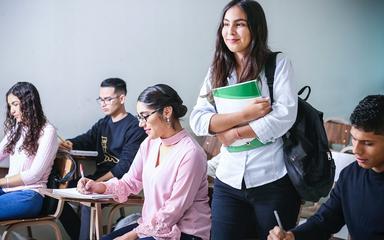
{"x": 307, "y": 157}
{"x": 54, "y": 180}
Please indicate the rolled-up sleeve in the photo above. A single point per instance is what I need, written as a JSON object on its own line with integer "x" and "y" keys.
{"x": 45, "y": 155}
{"x": 203, "y": 111}
{"x": 284, "y": 107}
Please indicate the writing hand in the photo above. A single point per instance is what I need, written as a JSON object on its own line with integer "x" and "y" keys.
{"x": 66, "y": 145}
{"x": 84, "y": 185}
{"x": 278, "y": 234}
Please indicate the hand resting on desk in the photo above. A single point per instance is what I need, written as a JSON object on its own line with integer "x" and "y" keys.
{"x": 88, "y": 186}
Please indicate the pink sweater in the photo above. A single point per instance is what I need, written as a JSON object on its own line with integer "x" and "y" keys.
{"x": 176, "y": 191}
{"x": 34, "y": 170}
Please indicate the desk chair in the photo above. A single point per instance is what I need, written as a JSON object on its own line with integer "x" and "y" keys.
{"x": 62, "y": 171}
{"x": 133, "y": 200}
{"x": 338, "y": 133}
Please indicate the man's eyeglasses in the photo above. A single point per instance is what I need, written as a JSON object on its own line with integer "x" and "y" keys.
{"x": 144, "y": 118}
{"x": 107, "y": 100}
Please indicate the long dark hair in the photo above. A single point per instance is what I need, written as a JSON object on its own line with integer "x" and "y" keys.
{"x": 224, "y": 60}
{"x": 160, "y": 96}
{"x": 33, "y": 119}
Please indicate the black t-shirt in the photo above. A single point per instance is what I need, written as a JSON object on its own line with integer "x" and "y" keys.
{"x": 357, "y": 200}
{"x": 115, "y": 142}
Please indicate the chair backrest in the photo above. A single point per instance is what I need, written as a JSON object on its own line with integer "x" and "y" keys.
{"x": 338, "y": 133}
{"x": 211, "y": 146}
{"x": 62, "y": 171}
{"x": 341, "y": 161}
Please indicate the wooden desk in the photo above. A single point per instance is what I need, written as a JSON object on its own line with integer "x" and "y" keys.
{"x": 96, "y": 229}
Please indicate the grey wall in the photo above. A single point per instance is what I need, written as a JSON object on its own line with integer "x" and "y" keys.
{"x": 67, "y": 47}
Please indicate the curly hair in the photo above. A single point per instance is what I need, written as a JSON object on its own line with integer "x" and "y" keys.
{"x": 369, "y": 114}
{"x": 224, "y": 60}
{"x": 32, "y": 121}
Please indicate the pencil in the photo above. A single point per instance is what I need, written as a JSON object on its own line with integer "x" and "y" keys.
{"x": 61, "y": 139}
{"x": 278, "y": 220}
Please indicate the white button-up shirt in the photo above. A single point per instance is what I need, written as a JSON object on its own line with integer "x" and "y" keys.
{"x": 264, "y": 164}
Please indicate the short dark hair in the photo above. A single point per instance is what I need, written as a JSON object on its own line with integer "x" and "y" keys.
{"x": 117, "y": 83}
{"x": 160, "y": 96}
{"x": 369, "y": 114}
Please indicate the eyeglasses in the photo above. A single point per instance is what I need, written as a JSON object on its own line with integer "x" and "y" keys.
{"x": 142, "y": 118}
{"x": 107, "y": 100}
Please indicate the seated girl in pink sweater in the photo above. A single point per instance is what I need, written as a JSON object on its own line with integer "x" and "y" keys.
{"x": 170, "y": 167}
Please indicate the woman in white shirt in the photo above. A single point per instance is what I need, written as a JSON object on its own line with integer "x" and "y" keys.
{"x": 31, "y": 144}
{"x": 253, "y": 179}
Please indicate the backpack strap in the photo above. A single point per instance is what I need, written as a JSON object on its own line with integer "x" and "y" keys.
{"x": 270, "y": 66}
{"x": 308, "y": 88}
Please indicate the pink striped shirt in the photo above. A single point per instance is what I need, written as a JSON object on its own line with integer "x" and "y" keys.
{"x": 34, "y": 170}
{"x": 176, "y": 191}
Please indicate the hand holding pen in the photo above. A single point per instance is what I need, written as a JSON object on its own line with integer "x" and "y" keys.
{"x": 278, "y": 233}
{"x": 89, "y": 186}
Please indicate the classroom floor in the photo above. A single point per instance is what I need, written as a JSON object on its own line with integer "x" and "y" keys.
{"x": 45, "y": 233}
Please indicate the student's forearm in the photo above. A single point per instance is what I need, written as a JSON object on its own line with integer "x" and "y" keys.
{"x": 245, "y": 132}
{"x": 12, "y": 181}
{"x": 223, "y": 122}
{"x": 105, "y": 177}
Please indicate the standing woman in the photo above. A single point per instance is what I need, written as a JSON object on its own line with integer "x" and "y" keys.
{"x": 170, "y": 167}
{"x": 252, "y": 179}
{"x": 31, "y": 144}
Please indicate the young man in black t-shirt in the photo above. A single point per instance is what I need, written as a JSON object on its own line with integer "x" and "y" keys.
{"x": 357, "y": 198}
{"x": 116, "y": 138}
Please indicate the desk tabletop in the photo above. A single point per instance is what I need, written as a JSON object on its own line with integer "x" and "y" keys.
{"x": 133, "y": 199}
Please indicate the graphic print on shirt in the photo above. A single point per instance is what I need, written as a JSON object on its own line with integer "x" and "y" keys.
{"x": 107, "y": 156}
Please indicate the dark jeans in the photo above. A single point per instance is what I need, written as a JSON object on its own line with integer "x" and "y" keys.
{"x": 232, "y": 208}
{"x": 85, "y": 222}
{"x": 129, "y": 228}
{"x": 70, "y": 221}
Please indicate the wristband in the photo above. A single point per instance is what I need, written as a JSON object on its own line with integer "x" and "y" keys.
{"x": 6, "y": 182}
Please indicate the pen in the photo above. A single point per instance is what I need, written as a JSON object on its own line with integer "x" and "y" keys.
{"x": 278, "y": 220}
{"x": 81, "y": 170}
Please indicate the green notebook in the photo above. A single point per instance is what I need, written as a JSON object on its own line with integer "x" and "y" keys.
{"x": 233, "y": 98}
